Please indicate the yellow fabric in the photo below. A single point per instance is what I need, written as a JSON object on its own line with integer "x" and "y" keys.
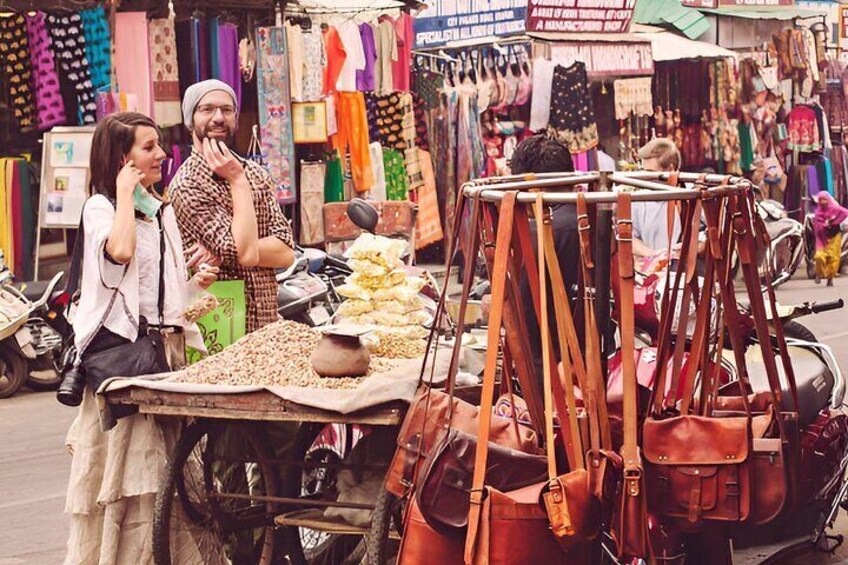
{"x": 6, "y": 238}
{"x": 828, "y": 259}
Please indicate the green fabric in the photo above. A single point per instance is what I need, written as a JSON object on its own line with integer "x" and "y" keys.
{"x": 688, "y": 21}
{"x": 762, "y": 12}
{"x": 396, "y": 180}
{"x": 746, "y": 158}
{"x": 334, "y": 182}
{"x": 227, "y": 323}
{"x": 28, "y": 220}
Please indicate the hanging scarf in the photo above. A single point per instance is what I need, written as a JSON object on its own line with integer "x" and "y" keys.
{"x": 14, "y": 45}
{"x": 228, "y": 61}
{"x": 132, "y": 58}
{"x": 166, "y": 80}
{"x": 98, "y": 48}
{"x": 69, "y": 47}
{"x": 274, "y": 108}
{"x": 45, "y": 80}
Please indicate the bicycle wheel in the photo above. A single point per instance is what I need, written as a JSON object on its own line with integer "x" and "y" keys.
{"x": 207, "y": 526}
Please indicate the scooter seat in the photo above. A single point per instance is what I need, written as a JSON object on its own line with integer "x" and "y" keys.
{"x": 33, "y": 290}
{"x": 779, "y": 227}
{"x": 812, "y": 378}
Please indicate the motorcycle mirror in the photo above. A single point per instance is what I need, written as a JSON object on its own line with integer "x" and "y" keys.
{"x": 363, "y": 214}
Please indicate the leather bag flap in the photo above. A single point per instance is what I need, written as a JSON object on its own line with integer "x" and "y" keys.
{"x": 696, "y": 440}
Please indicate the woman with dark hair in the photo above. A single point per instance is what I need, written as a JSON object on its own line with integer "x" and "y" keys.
{"x": 132, "y": 254}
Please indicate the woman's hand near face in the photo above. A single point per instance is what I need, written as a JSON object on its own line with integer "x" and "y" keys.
{"x": 128, "y": 178}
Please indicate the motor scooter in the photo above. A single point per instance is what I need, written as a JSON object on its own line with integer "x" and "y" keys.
{"x": 786, "y": 250}
{"x": 31, "y": 347}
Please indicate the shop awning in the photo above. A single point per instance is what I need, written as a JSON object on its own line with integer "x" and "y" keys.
{"x": 668, "y": 46}
{"x": 688, "y": 21}
{"x": 764, "y": 12}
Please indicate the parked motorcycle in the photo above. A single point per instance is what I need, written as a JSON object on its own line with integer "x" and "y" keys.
{"x": 786, "y": 250}
{"x": 810, "y": 248}
{"x": 306, "y": 291}
{"x": 31, "y": 349}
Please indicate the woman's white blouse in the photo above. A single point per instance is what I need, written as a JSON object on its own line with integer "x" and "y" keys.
{"x": 137, "y": 283}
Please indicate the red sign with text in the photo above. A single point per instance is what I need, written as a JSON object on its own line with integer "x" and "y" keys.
{"x": 579, "y": 16}
{"x": 699, "y": 3}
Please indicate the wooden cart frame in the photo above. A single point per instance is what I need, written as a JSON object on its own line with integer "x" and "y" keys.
{"x": 285, "y": 513}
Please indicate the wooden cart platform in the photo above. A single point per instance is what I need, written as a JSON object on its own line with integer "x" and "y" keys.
{"x": 256, "y": 406}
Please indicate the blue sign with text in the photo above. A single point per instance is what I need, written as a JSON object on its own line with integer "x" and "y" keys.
{"x": 446, "y": 21}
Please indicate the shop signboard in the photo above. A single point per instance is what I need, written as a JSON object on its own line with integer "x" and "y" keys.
{"x": 843, "y": 25}
{"x": 579, "y": 16}
{"x": 699, "y": 3}
{"x": 606, "y": 59}
{"x": 446, "y": 21}
{"x": 755, "y": 3}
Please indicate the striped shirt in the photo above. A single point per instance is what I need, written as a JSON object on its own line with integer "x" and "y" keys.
{"x": 204, "y": 207}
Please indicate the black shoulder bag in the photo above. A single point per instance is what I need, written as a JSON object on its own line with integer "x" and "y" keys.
{"x": 145, "y": 356}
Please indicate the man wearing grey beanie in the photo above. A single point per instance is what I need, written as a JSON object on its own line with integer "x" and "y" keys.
{"x": 226, "y": 206}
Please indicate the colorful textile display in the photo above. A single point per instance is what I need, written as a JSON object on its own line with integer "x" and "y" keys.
{"x": 633, "y": 95}
{"x": 14, "y": 48}
{"x": 45, "y": 80}
{"x": 69, "y": 47}
{"x": 166, "y": 79}
{"x": 353, "y": 135}
{"x": 572, "y": 117}
{"x": 98, "y": 47}
{"x": 17, "y": 217}
{"x": 132, "y": 58}
{"x": 272, "y": 72}
{"x": 313, "y": 65}
{"x": 228, "y": 61}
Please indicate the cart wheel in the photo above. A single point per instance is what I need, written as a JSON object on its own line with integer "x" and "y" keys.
{"x": 380, "y": 549}
{"x": 205, "y": 527}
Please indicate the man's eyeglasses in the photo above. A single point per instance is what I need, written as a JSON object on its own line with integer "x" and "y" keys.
{"x": 210, "y": 109}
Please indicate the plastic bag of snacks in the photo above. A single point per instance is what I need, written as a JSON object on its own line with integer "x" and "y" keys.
{"x": 377, "y": 249}
{"x": 368, "y": 268}
{"x": 355, "y": 307}
{"x": 354, "y": 291}
{"x": 399, "y": 306}
{"x": 394, "y": 278}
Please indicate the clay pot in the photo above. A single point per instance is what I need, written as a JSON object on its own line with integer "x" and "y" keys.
{"x": 340, "y": 356}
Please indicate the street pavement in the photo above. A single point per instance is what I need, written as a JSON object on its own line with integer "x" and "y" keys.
{"x": 34, "y": 463}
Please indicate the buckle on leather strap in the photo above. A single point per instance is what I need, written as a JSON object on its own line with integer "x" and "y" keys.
{"x": 632, "y": 478}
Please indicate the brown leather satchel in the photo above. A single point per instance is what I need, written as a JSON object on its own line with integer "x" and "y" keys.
{"x": 422, "y": 544}
{"x": 505, "y": 527}
{"x": 444, "y": 485}
{"x": 432, "y": 411}
{"x": 426, "y": 425}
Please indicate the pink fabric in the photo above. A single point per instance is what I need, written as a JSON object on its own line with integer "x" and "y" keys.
{"x": 405, "y": 37}
{"x": 132, "y": 58}
{"x": 45, "y": 80}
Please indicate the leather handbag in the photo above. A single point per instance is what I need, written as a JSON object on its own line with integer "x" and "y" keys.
{"x": 422, "y": 544}
{"x": 442, "y": 491}
{"x": 432, "y": 412}
{"x": 505, "y": 527}
{"x": 573, "y": 501}
{"x": 698, "y": 468}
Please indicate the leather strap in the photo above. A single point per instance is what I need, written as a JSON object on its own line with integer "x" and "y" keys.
{"x": 498, "y": 280}
{"x": 544, "y": 328}
{"x": 569, "y": 345}
{"x": 600, "y": 436}
{"x": 627, "y": 328}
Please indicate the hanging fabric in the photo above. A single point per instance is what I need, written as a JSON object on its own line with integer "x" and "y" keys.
{"x": 14, "y": 49}
{"x": 274, "y": 109}
{"x": 335, "y": 56}
{"x": 311, "y": 203}
{"x": 45, "y": 80}
{"x": 228, "y": 62}
{"x": 212, "y": 27}
{"x": 69, "y": 46}
{"x": 313, "y": 62}
{"x": 396, "y": 179}
{"x": 378, "y": 190}
{"x": 353, "y": 136}
{"x": 132, "y": 58}
{"x": 428, "y": 226}
{"x": 365, "y": 78}
{"x": 572, "y": 117}
{"x": 188, "y": 66}
{"x": 166, "y": 80}
{"x": 7, "y": 225}
{"x": 204, "y": 60}
{"x": 354, "y": 60}
{"x": 633, "y": 95}
{"x": 297, "y": 63}
{"x": 98, "y": 48}
{"x": 387, "y": 56}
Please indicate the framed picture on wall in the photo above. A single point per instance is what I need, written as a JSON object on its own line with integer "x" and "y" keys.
{"x": 309, "y": 122}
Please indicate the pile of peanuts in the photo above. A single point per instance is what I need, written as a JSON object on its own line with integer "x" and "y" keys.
{"x": 277, "y": 355}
